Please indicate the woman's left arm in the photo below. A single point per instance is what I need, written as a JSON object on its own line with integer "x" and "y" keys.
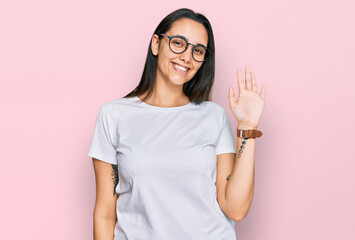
{"x": 247, "y": 109}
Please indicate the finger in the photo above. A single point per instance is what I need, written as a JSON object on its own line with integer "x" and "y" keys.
{"x": 241, "y": 85}
{"x": 231, "y": 96}
{"x": 253, "y": 82}
{"x": 263, "y": 91}
{"x": 247, "y": 77}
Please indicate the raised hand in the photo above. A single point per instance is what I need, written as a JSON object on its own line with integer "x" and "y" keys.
{"x": 249, "y": 106}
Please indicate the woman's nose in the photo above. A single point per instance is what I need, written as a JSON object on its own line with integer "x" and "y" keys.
{"x": 187, "y": 55}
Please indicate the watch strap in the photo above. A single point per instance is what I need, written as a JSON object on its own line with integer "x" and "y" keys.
{"x": 249, "y": 133}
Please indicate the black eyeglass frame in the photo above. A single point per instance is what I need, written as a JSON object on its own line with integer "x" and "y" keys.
{"x": 187, "y": 46}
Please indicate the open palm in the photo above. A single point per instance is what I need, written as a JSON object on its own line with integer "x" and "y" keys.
{"x": 249, "y": 106}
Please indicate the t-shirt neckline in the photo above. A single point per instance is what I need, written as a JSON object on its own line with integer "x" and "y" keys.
{"x": 146, "y": 105}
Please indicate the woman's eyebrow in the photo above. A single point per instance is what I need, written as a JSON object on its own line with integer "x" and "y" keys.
{"x": 177, "y": 35}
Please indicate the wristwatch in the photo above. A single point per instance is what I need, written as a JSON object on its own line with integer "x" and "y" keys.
{"x": 249, "y": 133}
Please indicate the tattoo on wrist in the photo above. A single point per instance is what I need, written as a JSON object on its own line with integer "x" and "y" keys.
{"x": 115, "y": 177}
{"x": 239, "y": 153}
{"x": 242, "y": 147}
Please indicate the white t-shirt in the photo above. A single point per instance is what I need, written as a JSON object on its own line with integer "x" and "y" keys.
{"x": 166, "y": 161}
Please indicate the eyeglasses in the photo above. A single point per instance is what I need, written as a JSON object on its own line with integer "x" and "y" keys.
{"x": 178, "y": 45}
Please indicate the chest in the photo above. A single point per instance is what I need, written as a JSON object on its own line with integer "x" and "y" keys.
{"x": 167, "y": 144}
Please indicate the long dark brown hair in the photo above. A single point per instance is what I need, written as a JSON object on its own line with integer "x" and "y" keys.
{"x": 198, "y": 89}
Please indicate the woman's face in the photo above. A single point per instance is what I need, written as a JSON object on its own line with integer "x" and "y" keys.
{"x": 195, "y": 33}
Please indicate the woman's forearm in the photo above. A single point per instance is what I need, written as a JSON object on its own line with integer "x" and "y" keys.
{"x": 240, "y": 187}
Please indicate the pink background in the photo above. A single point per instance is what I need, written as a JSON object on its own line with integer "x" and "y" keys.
{"x": 60, "y": 60}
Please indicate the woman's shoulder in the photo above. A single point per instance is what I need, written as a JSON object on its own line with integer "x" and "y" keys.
{"x": 213, "y": 106}
{"x": 117, "y": 102}
{"x": 116, "y": 106}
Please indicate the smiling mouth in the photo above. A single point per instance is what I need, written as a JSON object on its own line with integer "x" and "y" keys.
{"x": 180, "y": 68}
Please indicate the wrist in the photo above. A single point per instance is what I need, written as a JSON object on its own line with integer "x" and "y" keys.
{"x": 246, "y": 132}
{"x": 246, "y": 127}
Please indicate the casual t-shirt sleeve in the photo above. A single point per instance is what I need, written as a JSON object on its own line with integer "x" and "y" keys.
{"x": 225, "y": 143}
{"x": 102, "y": 146}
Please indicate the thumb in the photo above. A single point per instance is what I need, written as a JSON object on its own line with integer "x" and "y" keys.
{"x": 231, "y": 96}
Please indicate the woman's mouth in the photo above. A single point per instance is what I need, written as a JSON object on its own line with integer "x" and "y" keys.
{"x": 180, "y": 68}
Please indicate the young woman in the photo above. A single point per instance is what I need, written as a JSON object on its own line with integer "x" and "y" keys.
{"x": 164, "y": 157}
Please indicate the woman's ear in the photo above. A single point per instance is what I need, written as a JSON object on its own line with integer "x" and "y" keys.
{"x": 155, "y": 44}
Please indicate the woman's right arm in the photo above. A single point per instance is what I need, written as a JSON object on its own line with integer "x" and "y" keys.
{"x": 105, "y": 216}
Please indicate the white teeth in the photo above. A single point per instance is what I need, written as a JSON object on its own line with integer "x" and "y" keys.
{"x": 180, "y": 67}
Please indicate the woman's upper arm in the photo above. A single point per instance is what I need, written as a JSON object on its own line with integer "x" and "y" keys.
{"x": 106, "y": 177}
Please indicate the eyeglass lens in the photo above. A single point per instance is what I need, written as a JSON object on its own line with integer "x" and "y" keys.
{"x": 178, "y": 45}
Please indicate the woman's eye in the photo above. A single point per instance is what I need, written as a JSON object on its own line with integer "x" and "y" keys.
{"x": 198, "y": 51}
